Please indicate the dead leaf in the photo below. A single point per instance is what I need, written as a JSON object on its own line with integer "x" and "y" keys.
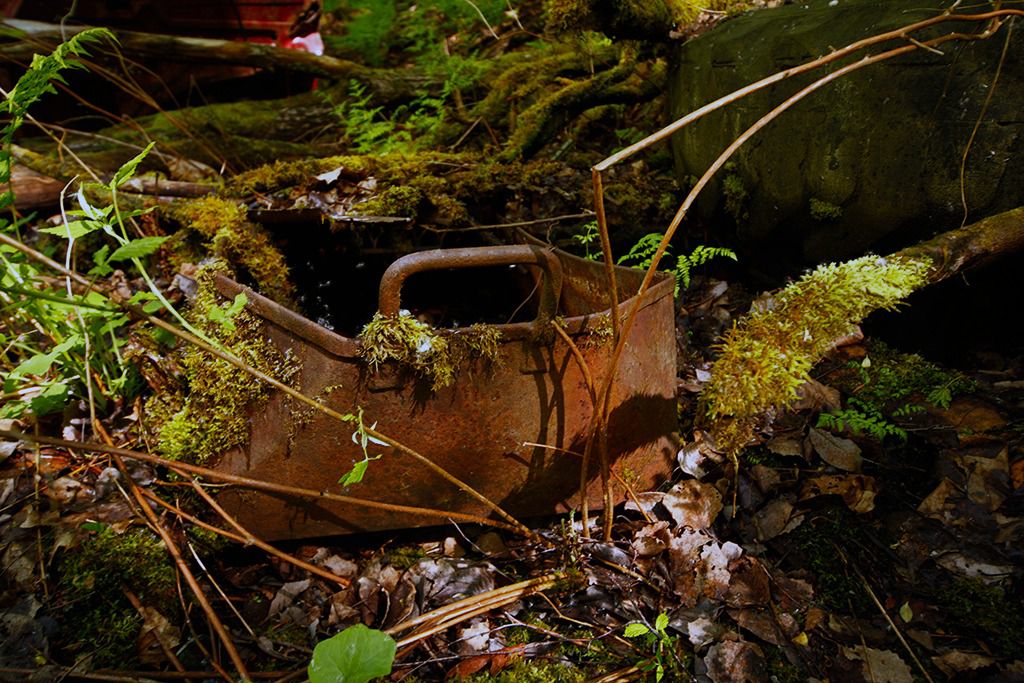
{"x": 957, "y": 661}
{"x": 786, "y": 445}
{"x": 840, "y": 453}
{"x": 766, "y": 478}
{"x": 736, "y": 662}
{"x": 940, "y": 503}
{"x": 715, "y": 572}
{"x": 793, "y": 595}
{"x": 156, "y": 629}
{"x": 814, "y": 396}
{"x": 771, "y": 520}
{"x": 763, "y": 624}
{"x": 748, "y": 585}
{"x": 693, "y": 504}
{"x": 815, "y": 618}
{"x": 987, "y": 478}
{"x": 858, "y": 491}
{"x": 286, "y": 595}
{"x": 702, "y": 631}
{"x": 970, "y": 416}
{"x": 880, "y": 666}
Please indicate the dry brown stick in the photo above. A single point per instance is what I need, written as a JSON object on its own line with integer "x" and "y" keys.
{"x": 168, "y": 652}
{"x": 518, "y": 526}
{"x": 262, "y": 545}
{"x": 246, "y": 538}
{"x": 183, "y": 569}
{"x": 477, "y": 605}
{"x": 382, "y": 82}
{"x": 598, "y": 422}
{"x": 253, "y": 483}
{"x": 591, "y": 389}
{"x": 449, "y": 611}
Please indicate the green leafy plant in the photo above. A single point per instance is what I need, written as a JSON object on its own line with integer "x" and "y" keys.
{"x": 661, "y": 644}
{"x": 589, "y": 238}
{"x": 861, "y": 418}
{"x": 355, "y": 655}
{"x": 642, "y": 253}
{"x": 57, "y": 342}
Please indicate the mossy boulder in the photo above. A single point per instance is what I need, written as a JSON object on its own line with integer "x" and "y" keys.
{"x": 880, "y": 149}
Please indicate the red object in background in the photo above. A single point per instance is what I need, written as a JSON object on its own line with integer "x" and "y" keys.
{"x": 261, "y": 21}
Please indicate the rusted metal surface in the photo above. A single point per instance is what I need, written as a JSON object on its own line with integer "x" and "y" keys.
{"x": 486, "y": 427}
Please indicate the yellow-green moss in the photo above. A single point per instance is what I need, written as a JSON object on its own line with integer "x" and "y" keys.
{"x": 224, "y": 224}
{"x": 399, "y": 200}
{"x": 436, "y": 355}
{"x": 768, "y": 354}
{"x": 213, "y": 413}
{"x": 825, "y": 211}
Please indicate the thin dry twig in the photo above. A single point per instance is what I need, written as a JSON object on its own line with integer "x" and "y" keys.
{"x": 977, "y": 124}
{"x": 183, "y": 569}
{"x": 167, "y": 650}
{"x": 262, "y": 545}
{"x": 253, "y": 483}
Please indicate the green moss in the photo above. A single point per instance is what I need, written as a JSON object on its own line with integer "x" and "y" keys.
{"x": 404, "y": 557}
{"x": 393, "y": 201}
{"x": 893, "y": 377}
{"x": 736, "y": 196}
{"x": 825, "y": 211}
{"x": 230, "y": 235}
{"x": 96, "y": 615}
{"x": 836, "y": 587}
{"x": 533, "y": 671}
{"x": 213, "y": 416}
{"x": 768, "y": 354}
{"x": 986, "y": 611}
{"x": 436, "y": 355}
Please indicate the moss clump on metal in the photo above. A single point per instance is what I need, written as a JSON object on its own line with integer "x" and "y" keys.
{"x": 224, "y": 224}
{"x": 211, "y": 416}
{"x": 768, "y": 354}
{"x": 432, "y": 354}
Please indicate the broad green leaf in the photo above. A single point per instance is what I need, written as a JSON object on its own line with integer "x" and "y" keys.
{"x": 40, "y": 363}
{"x": 635, "y": 630}
{"x": 661, "y": 623}
{"x": 152, "y": 307}
{"x": 355, "y": 655}
{"x": 75, "y": 228}
{"x": 128, "y": 169}
{"x": 354, "y": 475}
{"x": 53, "y": 398}
{"x": 144, "y": 246}
{"x": 906, "y": 613}
{"x": 100, "y": 258}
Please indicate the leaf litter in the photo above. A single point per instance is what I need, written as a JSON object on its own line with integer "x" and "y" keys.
{"x": 845, "y": 558}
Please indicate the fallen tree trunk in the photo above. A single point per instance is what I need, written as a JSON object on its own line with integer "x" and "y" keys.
{"x": 970, "y": 246}
{"x": 387, "y": 85}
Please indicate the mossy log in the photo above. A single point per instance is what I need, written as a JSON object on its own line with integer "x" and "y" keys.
{"x": 387, "y": 85}
{"x": 971, "y": 246}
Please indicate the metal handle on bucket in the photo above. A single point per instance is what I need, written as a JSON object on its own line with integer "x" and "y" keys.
{"x": 474, "y": 257}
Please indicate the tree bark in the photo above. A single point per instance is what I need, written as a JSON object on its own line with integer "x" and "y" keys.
{"x": 970, "y": 246}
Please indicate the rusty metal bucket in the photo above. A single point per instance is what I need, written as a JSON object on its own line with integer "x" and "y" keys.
{"x": 510, "y": 428}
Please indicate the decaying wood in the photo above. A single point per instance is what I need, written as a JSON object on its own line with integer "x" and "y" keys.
{"x": 385, "y": 84}
{"x": 33, "y": 190}
{"x": 970, "y": 246}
